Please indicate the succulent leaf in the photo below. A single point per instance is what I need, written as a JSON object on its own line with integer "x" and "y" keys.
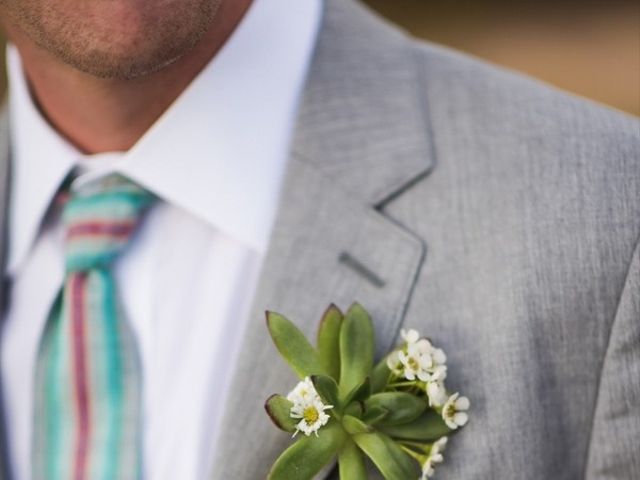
{"x": 354, "y": 426}
{"x": 374, "y": 414}
{"x": 329, "y": 341}
{"x": 393, "y": 463}
{"x": 279, "y": 410}
{"x": 403, "y": 407}
{"x": 327, "y": 388}
{"x": 359, "y": 393}
{"x": 351, "y": 462}
{"x": 308, "y": 455}
{"x": 380, "y": 376}
{"x": 427, "y": 428}
{"x": 293, "y": 346}
{"x": 356, "y": 348}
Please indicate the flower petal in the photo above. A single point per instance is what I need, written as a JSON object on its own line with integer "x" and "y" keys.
{"x": 439, "y": 356}
{"x": 425, "y": 361}
{"x": 462, "y": 403}
{"x": 461, "y": 418}
{"x": 424, "y": 345}
{"x": 410, "y": 336}
{"x": 450, "y": 423}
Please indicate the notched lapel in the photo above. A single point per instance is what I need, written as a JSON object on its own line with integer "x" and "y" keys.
{"x": 319, "y": 226}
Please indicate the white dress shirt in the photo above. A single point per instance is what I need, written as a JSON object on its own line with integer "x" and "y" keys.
{"x": 215, "y": 159}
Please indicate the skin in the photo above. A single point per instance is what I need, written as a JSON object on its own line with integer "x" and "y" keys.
{"x": 103, "y": 71}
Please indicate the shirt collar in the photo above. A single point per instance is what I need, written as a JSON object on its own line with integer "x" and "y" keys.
{"x": 219, "y": 152}
{"x": 41, "y": 160}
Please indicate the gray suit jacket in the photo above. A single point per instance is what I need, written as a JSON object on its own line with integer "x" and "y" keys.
{"x": 493, "y": 213}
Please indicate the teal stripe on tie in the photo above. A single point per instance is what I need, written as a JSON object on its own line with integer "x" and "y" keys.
{"x": 114, "y": 384}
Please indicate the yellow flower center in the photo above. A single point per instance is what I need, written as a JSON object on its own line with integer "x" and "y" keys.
{"x": 311, "y": 415}
{"x": 413, "y": 363}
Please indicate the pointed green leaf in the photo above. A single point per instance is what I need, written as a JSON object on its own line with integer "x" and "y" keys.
{"x": 359, "y": 393}
{"x": 403, "y": 407}
{"x": 329, "y": 341}
{"x": 279, "y": 410}
{"x": 351, "y": 462}
{"x": 305, "y": 458}
{"x": 293, "y": 346}
{"x": 354, "y": 409}
{"x": 353, "y": 425}
{"x": 391, "y": 460}
{"x": 356, "y": 348}
{"x": 374, "y": 415}
{"x": 380, "y": 376}
{"x": 428, "y": 427}
{"x": 327, "y": 388}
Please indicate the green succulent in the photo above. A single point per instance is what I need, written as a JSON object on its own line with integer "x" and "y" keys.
{"x": 374, "y": 414}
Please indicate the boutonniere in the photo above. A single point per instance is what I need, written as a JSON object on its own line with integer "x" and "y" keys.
{"x": 397, "y": 413}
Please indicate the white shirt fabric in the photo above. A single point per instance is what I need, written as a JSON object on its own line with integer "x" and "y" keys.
{"x": 216, "y": 159}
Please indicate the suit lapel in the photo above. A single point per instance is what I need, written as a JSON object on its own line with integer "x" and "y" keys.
{"x": 359, "y": 142}
{"x": 327, "y": 247}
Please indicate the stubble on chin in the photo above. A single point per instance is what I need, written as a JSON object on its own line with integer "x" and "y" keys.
{"x": 145, "y": 42}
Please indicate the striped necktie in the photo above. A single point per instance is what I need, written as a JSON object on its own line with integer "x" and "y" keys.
{"x": 88, "y": 379}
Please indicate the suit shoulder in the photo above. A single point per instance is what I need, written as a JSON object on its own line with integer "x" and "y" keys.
{"x": 474, "y": 95}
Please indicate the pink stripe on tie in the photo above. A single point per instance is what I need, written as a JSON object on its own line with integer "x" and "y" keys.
{"x": 78, "y": 287}
{"x": 114, "y": 229}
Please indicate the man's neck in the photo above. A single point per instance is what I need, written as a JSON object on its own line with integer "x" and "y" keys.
{"x": 102, "y": 115}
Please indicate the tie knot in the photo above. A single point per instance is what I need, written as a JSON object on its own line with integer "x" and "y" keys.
{"x": 100, "y": 219}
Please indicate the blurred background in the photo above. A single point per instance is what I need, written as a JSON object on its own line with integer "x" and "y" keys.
{"x": 590, "y": 47}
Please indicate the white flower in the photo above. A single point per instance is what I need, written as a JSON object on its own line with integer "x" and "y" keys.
{"x": 303, "y": 391}
{"x": 435, "y": 457}
{"x": 454, "y": 412}
{"x": 424, "y": 345}
{"x": 438, "y": 368}
{"x": 308, "y": 407}
{"x": 438, "y": 373}
{"x": 311, "y": 414}
{"x": 394, "y": 363}
{"x": 439, "y": 357}
{"x": 415, "y": 363}
{"x": 410, "y": 336}
{"x": 436, "y": 392}
{"x": 438, "y": 447}
{"x": 419, "y": 358}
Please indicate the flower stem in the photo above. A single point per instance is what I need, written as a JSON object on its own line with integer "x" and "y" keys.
{"x": 413, "y": 454}
{"x": 402, "y": 384}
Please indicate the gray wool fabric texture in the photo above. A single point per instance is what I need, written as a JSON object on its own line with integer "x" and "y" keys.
{"x": 493, "y": 213}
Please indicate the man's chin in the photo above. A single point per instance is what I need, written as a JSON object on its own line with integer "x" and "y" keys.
{"x": 128, "y": 40}
{"x": 109, "y": 64}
